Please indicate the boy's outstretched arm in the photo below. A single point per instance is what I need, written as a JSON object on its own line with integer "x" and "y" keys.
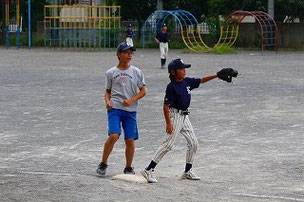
{"x": 139, "y": 95}
{"x": 169, "y": 126}
{"x": 208, "y": 78}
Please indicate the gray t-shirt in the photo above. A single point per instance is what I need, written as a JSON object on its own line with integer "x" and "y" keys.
{"x": 124, "y": 84}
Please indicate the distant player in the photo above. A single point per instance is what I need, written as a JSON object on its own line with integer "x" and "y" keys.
{"x": 162, "y": 38}
{"x": 176, "y": 103}
{"x": 129, "y": 35}
{"x": 125, "y": 85}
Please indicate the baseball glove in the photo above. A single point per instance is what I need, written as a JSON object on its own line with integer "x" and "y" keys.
{"x": 226, "y": 74}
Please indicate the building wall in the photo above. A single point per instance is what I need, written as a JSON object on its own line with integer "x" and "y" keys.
{"x": 291, "y": 35}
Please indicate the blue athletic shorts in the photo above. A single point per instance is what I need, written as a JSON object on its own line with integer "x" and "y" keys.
{"x": 128, "y": 121}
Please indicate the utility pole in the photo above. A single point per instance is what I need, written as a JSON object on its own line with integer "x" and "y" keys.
{"x": 3, "y": 20}
{"x": 160, "y": 5}
{"x": 29, "y": 25}
{"x": 271, "y": 8}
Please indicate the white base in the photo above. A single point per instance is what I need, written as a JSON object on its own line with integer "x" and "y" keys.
{"x": 130, "y": 178}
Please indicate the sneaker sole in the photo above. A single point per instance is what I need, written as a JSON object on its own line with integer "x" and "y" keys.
{"x": 101, "y": 173}
{"x": 129, "y": 173}
{"x": 187, "y": 178}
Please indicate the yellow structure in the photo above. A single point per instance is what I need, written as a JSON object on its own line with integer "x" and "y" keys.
{"x": 82, "y": 25}
{"x": 229, "y": 30}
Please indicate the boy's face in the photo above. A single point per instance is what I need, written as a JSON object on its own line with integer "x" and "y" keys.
{"x": 125, "y": 56}
{"x": 179, "y": 74}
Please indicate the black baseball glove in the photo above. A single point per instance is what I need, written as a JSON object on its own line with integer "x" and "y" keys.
{"x": 226, "y": 74}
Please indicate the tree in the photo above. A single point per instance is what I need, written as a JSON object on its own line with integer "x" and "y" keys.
{"x": 289, "y": 8}
{"x": 37, "y": 12}
{"x": 138, "y": 10}
{"x": 200, "y": 8}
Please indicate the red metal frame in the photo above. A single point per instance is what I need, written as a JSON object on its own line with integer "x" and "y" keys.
{"x": 268, "y": 27}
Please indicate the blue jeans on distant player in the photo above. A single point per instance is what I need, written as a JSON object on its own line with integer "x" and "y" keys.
{"x": 128, "y": 121}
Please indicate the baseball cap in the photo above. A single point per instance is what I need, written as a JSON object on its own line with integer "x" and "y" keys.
{"x": 124, "y": 46}
{"x": 164, "y": 25}
{"x": 177, "y": 64}
{"x": 129, "y": 25}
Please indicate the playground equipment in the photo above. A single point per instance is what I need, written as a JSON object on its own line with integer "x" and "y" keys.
{"x": 268, "y": 27}
{"x": 81, "y": 23}
{"x": 9, "y": 27}
{"x": 190, "y": 32}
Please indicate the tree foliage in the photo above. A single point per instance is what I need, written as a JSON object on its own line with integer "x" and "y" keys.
{"x": 138, "y": 10}
{"x": 37, "y": 7}
{"x": 290, "y": 8}
{"x": 200, "y": 8}
{"x": 213, "y": 8}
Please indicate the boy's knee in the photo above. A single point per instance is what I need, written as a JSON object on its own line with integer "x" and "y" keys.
{"x": 129, "y": 142}
{"x": 113, "y": 137}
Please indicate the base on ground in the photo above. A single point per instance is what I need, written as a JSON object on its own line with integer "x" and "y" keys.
{"x": 130, "y": 178}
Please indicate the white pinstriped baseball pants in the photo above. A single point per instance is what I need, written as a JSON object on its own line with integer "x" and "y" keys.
{"x": 129, "y": 41}
{"x": 164, "y": 48}
{"x": 181, "y": 125}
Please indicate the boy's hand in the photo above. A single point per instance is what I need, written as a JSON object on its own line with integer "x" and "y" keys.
{"x": 109, "y": 105}
{"x": 169, "y": 128}
{"x": 127, "y": 102}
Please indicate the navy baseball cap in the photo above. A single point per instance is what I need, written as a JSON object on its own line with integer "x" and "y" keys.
{"x": 164, "y": 25}
{"x": 177, "y": 64}
{"x": 124, "y": 46}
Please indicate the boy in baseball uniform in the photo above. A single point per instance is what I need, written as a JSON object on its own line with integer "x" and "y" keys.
{"x": 162, "y": 38}
{"x": 129, "y": 35}
{"x": 125, "y": 85}
{"x": 176, "y": 103}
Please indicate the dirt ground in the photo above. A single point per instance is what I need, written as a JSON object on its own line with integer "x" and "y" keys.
{"x": 53, "y": 126}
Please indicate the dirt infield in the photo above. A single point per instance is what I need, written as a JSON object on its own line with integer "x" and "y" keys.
{"x": 53, "y": 125}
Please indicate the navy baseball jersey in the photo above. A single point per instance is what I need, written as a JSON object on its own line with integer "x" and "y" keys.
{"x": 178, "y": 94}
{"x": 162, "y": 37}
{"x": 130, "y": 33}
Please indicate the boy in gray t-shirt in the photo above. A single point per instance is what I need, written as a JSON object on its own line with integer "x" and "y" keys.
{"x": 125, "y": 85}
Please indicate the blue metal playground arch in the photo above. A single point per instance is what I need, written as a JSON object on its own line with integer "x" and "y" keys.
{"x": 229, "y": 30}
{"x": 154, "y": 22}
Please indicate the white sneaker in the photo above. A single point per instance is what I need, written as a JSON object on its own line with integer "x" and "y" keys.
{"x": 190, "y": 175}
{"x": 148, "y": 174}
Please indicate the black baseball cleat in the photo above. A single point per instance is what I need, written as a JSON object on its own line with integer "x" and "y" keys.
{"x": 129, "y": 170}
{"x": 102, "y": 167}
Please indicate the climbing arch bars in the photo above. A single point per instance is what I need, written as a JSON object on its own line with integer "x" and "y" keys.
{"x": 190, "y": 32}
{"x": 268, "y": 28}
{"x": 185, "y": 24}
